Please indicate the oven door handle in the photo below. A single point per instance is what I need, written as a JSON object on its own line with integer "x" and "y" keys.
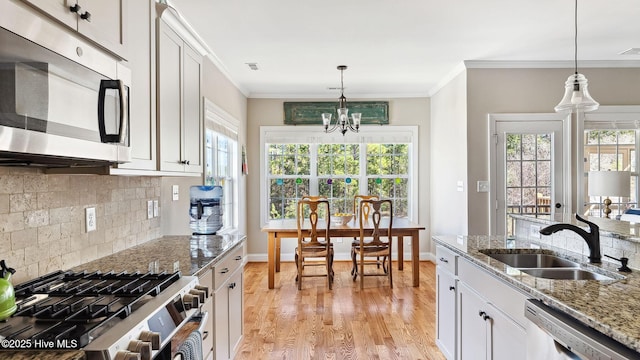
{"x": 204, "y": 317}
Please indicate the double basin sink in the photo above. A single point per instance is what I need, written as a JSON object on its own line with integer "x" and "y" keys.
{"x": 546, "y": 266}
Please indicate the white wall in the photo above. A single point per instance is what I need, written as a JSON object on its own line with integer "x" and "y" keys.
{"x": 262, "y": 112}
{"x": 448, "y": 151}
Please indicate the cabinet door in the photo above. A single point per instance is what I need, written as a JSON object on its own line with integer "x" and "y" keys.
{"x": 106, "y": 24}
{"x": 508, "y": 339}
{"x": 221, "y": 305}
{"x": 142, "y": 63}
{"x": 192, "y": 115}
{"x": 473, "y": 327}
{"x": 446, "y": 312}
{"x": 236, "y": 303}
{"x": 58, "y": 9}
{"x": 170, "y": 47}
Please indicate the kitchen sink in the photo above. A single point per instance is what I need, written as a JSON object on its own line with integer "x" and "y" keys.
{"x": 566, "y": 274}
{"x": 533, "y": 260}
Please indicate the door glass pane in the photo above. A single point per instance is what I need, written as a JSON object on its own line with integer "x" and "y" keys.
{"x": 528, "y": 174}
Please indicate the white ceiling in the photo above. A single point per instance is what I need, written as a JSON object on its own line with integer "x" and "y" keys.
{"x": 400, "y": 48}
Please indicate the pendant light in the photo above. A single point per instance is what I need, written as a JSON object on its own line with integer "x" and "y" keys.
{"x": 342, "y": 121}
{"x": 576, "y": 96}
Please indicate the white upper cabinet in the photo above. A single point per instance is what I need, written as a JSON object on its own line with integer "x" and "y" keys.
{"x": 179, "y": 103}
{"x": 102, "y": 21}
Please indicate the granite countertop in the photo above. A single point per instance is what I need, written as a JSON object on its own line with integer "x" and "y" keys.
{"x": 190, "y": 253}
{"x": 193, "y": 254}
{"x": 610, "y": 307}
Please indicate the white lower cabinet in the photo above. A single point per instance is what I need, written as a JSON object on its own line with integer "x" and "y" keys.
{"x": 228, "y": 302}
{"x": 491, "y": 318}
{"x": 446, "y": 302}
{"x": 485, "y": 331}
{"x": 478, "y": 316}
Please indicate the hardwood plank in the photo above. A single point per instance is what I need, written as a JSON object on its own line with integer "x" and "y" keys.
{"x": 343, "y": 323}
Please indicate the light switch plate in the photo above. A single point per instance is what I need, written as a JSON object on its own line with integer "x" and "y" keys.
{"x": 149, "y": 209}
{"x": 156, "y": 210}
{"x": 90, "y": 219}
{"x": 175, "y": 192}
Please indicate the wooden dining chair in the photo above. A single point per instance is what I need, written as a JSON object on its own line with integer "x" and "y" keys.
{"x": 314, "y": 244}
{"x": 313, "y": 197}
{"x": 378, "y": 244}
{"x": 366, "y": 211}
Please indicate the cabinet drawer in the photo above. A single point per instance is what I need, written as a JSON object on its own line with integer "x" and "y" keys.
{"x": 447, "y": 259}
{"x": 503, "y": 296}
{"x": 228, "y": 265}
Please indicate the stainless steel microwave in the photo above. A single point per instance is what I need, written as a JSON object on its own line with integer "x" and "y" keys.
{"x": 59, "y": 109}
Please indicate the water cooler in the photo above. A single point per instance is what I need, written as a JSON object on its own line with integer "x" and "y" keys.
{"x": 205, "y": 211}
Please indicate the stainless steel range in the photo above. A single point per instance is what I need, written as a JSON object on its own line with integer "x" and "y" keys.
{"x": 108, "y": 315}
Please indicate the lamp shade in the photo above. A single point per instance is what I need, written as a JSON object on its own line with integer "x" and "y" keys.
{"x": 609, "y": 183}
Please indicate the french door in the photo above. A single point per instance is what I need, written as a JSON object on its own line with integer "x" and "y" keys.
{"x": 529, "y": 165}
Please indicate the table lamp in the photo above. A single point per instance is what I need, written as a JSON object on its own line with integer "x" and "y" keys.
{"x": 609, "y": 183}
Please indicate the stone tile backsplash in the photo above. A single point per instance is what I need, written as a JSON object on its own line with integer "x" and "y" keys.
{"x": 42, "y": 218}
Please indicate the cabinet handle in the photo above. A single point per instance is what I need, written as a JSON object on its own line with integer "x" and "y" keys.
{"x": 444, "y": 260}
{"x": 86, "y": 16}
{"x": 205, "y": 334}
{"x": 238, "y": 258}
{"x": 224, "y": 271}
{"x": 481, "y": 313}
{"x": 75, "y": 8}
{"x": 452, "y": 288}
{"x": 184, "y": 162}
{"x": 486, "y": 317}
{"x": 232, "y": 285}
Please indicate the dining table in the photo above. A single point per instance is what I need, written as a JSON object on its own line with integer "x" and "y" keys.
{"x": 287, "y": 228}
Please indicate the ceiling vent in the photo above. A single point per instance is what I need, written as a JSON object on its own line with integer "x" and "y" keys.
{"x": 252, "y": 66}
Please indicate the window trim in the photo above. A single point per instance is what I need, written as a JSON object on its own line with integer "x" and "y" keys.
{"x": 220, "y": 121}
{"x": 625, "y": 117}
{"x": 368, "y": 134}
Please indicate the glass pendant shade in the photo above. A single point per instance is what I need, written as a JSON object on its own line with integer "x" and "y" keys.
{"x": 576, "y": 96}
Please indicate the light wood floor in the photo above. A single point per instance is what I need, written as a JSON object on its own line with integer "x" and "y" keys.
{"x": 343, "y": 323}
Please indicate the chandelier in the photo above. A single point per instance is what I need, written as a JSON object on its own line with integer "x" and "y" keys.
{"x": 576, "y": 95}
{"x": 342, "y": 121}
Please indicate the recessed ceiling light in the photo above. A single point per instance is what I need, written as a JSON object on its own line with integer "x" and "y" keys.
{"x": 252, "y": 66}
{"x": 631, "y": 51}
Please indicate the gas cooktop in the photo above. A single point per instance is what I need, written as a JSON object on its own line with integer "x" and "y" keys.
{"x": 70, "y": 309}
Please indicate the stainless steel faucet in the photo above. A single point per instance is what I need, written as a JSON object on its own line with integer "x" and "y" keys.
{"x": 592, "y": 237}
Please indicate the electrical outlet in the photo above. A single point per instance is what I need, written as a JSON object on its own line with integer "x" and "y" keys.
{"x": 90, "y": 219}
{"x": 149, "y": 209}
{"x": 156, "y": 210}
{"x": 175, "y": 192}
{"x": 534, "y": 231}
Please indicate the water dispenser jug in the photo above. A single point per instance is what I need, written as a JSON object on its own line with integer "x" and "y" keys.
{"x": 205, "y": 211}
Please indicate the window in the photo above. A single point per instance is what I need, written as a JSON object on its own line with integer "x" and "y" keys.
{"x": 610, "y": 150}
{"x": 610, "y": 142}
{"x": 221, "y": 160}
{"x": 298, "y": 164}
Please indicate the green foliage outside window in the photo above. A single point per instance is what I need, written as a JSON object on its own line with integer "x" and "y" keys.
{"x": 338, "y": 174}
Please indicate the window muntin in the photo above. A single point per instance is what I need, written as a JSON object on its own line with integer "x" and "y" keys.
{"x": 615, "y": 150}
{"x": 221, "y": 157}
{"x": 528, "y": 174}
{"x": 336, "y": 172}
